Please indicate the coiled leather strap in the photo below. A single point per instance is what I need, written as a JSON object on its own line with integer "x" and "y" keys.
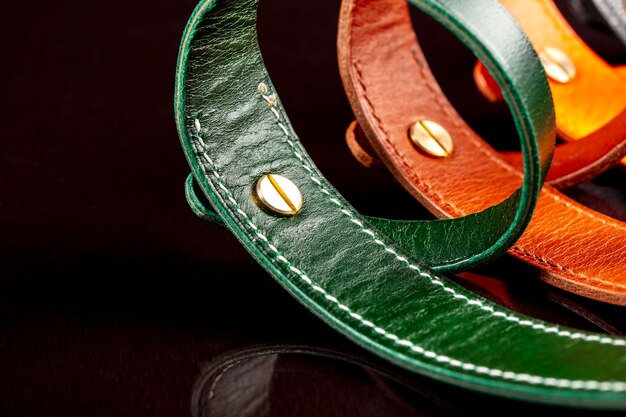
{"x": 334, "y": 261}
{"x": 574, "y": 247}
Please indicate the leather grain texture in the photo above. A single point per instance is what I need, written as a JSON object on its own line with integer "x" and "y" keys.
{"x": 329, "y": 257}
{"x": 575, "y": 248}
{"x": 590, "y": 108}
{"x": 483, "y": 234}
{"x": 476, "y": 238}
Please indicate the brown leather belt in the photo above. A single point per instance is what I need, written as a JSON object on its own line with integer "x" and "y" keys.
{"x": 390, "y": 87}
{"x": 590, "y": 106}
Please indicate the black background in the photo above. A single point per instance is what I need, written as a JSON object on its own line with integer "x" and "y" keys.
{"x": 112, "y": 293}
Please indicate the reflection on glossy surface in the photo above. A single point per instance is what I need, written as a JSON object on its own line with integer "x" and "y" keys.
{"x": 301, "y": 381}
{"x": 503, "y": 286}
{"x": 112, "y": 292}
{"x": 280, "y": 380}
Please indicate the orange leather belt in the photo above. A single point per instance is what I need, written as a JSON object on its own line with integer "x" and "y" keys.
{"x": 390, "y": 87}
{"x": 589, "y": 94}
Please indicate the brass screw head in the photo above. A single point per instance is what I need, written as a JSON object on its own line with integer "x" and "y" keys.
{"x": 558, "y": 66}
{"x": 278, "y": 195}
{"x": 431, "y": 138}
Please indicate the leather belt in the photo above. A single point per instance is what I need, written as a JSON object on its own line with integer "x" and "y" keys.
{"x": 591, "y": 106}
{"x": 574, "y": 247}
{"x": 234, "y": 131}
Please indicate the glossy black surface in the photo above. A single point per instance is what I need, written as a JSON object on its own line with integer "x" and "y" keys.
{"x": 116, "y": 300}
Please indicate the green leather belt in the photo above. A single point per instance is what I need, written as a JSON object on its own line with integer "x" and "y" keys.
{"x": 369, "y": 278}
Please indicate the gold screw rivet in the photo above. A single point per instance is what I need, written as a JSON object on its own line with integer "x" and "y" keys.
{"x": 558, "y": 66}
{"x": 431, "y": 138}
{"x": 278, "y": 195}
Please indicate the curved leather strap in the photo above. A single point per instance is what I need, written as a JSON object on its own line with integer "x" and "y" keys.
{"x": 590, "y": 108}
{"x": 339, "y": 266}
{"x": 529, "y": 302}
{"x": 194, "y": 200}
{"x": 614, "y": 13}
{"x": 476, "y": 238}
{"x": 575, "y": 248}
{"x": 535, "y": 301}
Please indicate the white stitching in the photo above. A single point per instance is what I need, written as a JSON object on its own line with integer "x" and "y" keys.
{"x": 435, "y": 281}
{"x": 612, "y": 386}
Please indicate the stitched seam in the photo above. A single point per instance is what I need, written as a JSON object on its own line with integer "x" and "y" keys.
{"x": 435, "y": 281}
{"x": 438, "y": 198}
{"x": 454, "y": 120}
{"x": 416, "y": 177}
{"x": 217, "y": 379}
{"x": 531, "y": 379}
{"x": 522, "y": 252}
{"x": 458, "y": 212}
{"x": 591, "y": 385}
{"x": 493, "y": 158}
